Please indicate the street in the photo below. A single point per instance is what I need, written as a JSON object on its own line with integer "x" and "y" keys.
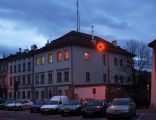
{"x": 26, "y": 115}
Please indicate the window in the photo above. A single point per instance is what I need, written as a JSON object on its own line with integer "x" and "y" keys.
{"x": 23, "y": 94}
{"x": 42, "y": 78}
{"x": 115, "y": 61}
{"x": 59, "y": 76}
{"x": 42, "y": 95}
{"x": 28, "y": 94}
{"x": 50, "y": 77}
{"x": 104, "y": 59}
{"x": 19, "y": 80}
{"x": 50, "y": 58}
{"x": 66, "y": 76}
{"x": 29, "y": 66}
{"x": 19, "y": 67}
{"x": 11, "y": 81}
{"x": 37, "y": 60}
{"x": 14, "y": 68}
{"x": 23, "y": 79}
{"x": 29, "y": 79}
{"x": 59, "y": 56}
{"x": 121, "y": 79}
{"x": 23, "y": 67}
{"x": 37, "y": 95}
{"x": 121, "y": 62}
{"x": 104, "y": 77}
{"x": 42, "y": 59}
{"x": 66, "y": 55}
{"x": 87, "y": 56}
{"x": 37, "y": 79}
{"x": 60, "y": 92}
{"x": 116, "y": 78}
{"x": 10, "y": 95}
{"x": 10, "y": 69}
{"x": 19, "y": 94}
{"x": 87, "y": 77}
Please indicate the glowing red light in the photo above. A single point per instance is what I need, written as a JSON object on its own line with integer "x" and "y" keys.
{"x": 100, "y": 46}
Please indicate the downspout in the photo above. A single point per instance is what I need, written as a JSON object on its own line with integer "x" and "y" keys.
{"x": 72, "y": 82}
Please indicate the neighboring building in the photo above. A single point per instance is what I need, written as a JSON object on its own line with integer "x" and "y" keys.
{"x": 3, "y": 77}
{"x": 153, "y": 82}
{"x": 78, "y": 65}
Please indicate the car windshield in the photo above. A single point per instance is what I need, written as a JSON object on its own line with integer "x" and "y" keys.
{"x": 120, "y": 102}
{"x": 73, "y": 102}
{"x": 94, "y": 103}
{"x": 54, "y": 102}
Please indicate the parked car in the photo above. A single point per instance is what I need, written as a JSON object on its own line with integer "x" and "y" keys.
{"x": 19, "y": 104}
{"x": 37, "y": 105}
{"x": 94, "y": 108}
{"x": 2, "y": 101}
{"x": 72, "y": 108}
{"x": 3, "y": 106}
{"x": 121, "y": 107}
{"x": 62, "y": 99}
{"x": 52, "y": 107}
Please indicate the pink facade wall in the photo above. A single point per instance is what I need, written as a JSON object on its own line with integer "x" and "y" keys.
{"x": 87, "y": 92}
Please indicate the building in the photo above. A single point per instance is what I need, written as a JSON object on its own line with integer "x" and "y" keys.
{"x": 153, "y": 82}
{"x": 78, "y": 65}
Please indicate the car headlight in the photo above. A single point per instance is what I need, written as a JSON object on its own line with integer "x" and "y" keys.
{"x": 125, "y": 110}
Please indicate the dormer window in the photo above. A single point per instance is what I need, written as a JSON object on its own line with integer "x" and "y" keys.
{"x": 66, "y": 55}
{"x": 59, "y": 56}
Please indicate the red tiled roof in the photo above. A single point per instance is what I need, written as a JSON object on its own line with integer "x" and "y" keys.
{"x": 82, "y": 40}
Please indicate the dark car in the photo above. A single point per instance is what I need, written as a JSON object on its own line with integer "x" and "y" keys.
{"x": 5, "y": 103}
{"x": 72, "y": 108}
{"x": 36, "y": 106}
{"x": 94, "y": 108}
{"x": 2, "y": 101}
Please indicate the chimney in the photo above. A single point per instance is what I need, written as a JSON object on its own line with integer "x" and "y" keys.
{"x": 34, "y": 47}
{"x": 114, "y": 42}
{"x": 20, "y": 50}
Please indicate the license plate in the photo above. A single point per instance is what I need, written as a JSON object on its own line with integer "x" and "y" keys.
{"x": 89, "y": 112}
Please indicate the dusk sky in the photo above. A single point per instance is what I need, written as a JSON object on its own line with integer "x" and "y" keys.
{"x": 27, "y": 22}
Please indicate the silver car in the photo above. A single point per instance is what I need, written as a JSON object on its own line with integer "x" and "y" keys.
{"x": 121, "y": 107}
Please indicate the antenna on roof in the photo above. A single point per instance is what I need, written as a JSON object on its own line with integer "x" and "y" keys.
{"x": 78, "y": 16}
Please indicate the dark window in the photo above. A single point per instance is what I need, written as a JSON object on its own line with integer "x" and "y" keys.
{"x": 121, "y": 79}
{"x": 23, "y": 67}
{"x": 23, "y": 79}
{"x": 104, "y": 77}
{"x": 19, "y": 80}
{"x": 29, "y": 79}
{"x": 115, "y": 61}
{"x": 29, "y": 66}
{"x": 11, "y": 81}
{"x": 19, "y": 94}
{"x": 28, "y": 94}
{"x": 23, "y": 94}
{"x": 66, "y": 76}
{"x": 116, "y": 78}
{"x": 121, "y": 62}
{"x": 37, "y": 95}
{"x": 10, "y": 69}
{"x": 10, "y": 95}
{"x": 19, "y": 67}
{"x": 37, "y": 79}
{"x": 87, "y": 76}
{"x": 59, "y": 76}
{"x": 42, "y": 78}
{"x": 14, "y": 68}
{"x": 50, "y": 77}
{"x": 59, "y": 92}
{"x": 42, "y": 95}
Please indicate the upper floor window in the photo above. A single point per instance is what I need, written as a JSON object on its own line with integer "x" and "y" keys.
{"x": 23, "y": 79}
{"x": 66, "y": 55}
{"x": 116, "y": 78}
{"x": 87, "y": 56}
{"x": 19, "y": 67}
{"x": 50, "y": 58}
{"x": 14, "y": 68}
{"x": 29, "y": 79}
{"x": 50, "y": 77}
{"x": 37, "y": 60}
{"x": 87, "y": 76}
{"x": 42, "y": 59}
{"x": 59, "y": 56}
{"x": 104, "y": 59}
{"x": 115, "y": 61}
{"x": 121, "y": 62}
{"x": 23, "y": 67}
{"x": 42, "y": 78}
{"x": 104, "y": 77}
{"x": 11, "y": 81}
{"x": 19, "y": 80}
{"x": 36, "y": 78}
{"x": 121, "y": 79}
{"x": 29, "y": 66}
{"x": 10, "y": 69}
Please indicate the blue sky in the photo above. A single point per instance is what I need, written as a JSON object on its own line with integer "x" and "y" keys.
{"x": 25, "y": 22}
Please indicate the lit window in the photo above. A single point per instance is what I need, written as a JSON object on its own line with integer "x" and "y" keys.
{"x": 42, "y": 59}
{"x": 66, "y": 55}
{"x": 59, "y": 56}
{"x": 37, "y": 61}
{"x": 50, "y": 58}
{"x": 87, "y": 56}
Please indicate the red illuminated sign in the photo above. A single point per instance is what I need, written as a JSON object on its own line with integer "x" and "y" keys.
{"x": 100, "y": 46}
